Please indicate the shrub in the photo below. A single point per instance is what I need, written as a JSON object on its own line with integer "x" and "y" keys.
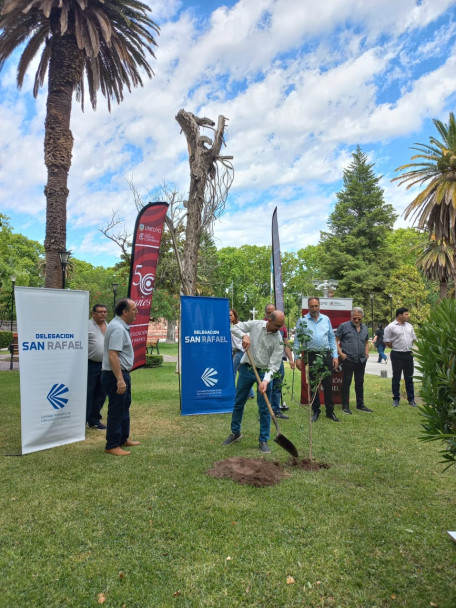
{"x": 154, "y": 360}
{"x": 6, "y": 337}
{"x": 436, "y": 359}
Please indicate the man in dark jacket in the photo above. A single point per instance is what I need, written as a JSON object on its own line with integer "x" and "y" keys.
{"x": 352, "y": 339}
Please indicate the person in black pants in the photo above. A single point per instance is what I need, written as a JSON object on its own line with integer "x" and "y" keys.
{"x": 352, "y": 339}
{"x": 315, "y": 336}
{"x": 400, "y": 337}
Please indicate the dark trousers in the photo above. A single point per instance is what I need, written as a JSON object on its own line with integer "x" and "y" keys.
{"x": 96, "y": 395}
{"x": 326, "y": 382}
{"x": 350, "y": 369}
{"x": 402, "y": 363}
{"x": 277, "y": 390}
{"x": 118, "y": 429}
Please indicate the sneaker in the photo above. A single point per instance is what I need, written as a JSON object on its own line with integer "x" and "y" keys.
{"x": 346, "y": 410}
{"x": 232, "y": 438}
{"x": 412, "y": 403}
{"x": 264, "y": 447}
{"x": 363, "y": 408}
{"x": 333, "y": 417}
{"x": 395, "y": 402}
{"x": 280, "y": 415}
{"x": 99, "y": 425}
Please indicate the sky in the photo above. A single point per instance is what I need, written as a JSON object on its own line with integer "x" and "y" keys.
{"x": 302, "y": 84}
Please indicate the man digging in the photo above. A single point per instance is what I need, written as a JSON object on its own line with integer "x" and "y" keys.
{"x": 266, "y": 348}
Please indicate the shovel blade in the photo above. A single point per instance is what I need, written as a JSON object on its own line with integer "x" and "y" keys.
{"x": 286, "y": 444}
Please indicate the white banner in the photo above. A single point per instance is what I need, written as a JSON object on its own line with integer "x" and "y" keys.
{"x": 52, "y": 336}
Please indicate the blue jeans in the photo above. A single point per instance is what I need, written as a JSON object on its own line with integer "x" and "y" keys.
{"x": 246, "y": 379}
{"x": 381, "y": 353}
{"x": 96, "y": 395}
{"x": 118, "y": 429}
{"x": 277, "y": 390}
{"x": 236, "y": 363}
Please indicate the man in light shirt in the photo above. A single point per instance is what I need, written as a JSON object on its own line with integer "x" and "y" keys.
{"x": 118, "y": 359}
{"x": 266, "y": 348}
{"x": 315, "y": 336}
{"x": 95, "y": 392}
{"x": 400, "y": 337}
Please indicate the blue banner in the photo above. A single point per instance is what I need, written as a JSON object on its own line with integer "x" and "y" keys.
{"x": 207, "y": 363}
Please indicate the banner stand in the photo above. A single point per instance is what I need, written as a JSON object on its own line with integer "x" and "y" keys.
{"x": 53, "y": 346}
{"x": 207, "y": 362}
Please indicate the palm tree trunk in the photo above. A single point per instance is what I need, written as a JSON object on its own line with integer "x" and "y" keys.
{"x": 65, "y": 70}
{"x": 443, "y": 290}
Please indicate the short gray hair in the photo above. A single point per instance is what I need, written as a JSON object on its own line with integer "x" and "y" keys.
{"x": 358, "y": 309}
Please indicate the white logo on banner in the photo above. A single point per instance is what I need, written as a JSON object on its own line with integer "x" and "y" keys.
{"x": 208, "y": 378}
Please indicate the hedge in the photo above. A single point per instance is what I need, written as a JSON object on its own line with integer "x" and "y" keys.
{"x": 6, "y": 337}
{"x": 154, "y": 360}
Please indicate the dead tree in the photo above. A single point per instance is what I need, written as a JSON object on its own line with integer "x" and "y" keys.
{"x": 211, "y": 176}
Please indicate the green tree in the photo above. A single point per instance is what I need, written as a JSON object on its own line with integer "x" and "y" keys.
{"x": 354, "y": 248}
{"x": 19, "y": 257}
{"x": 408, "y": 288}
{"x": 434, "y": 208}
{"x": 98, "y": 281}
{"x": 104, "y": 44}
{"x": 248, "y": 269}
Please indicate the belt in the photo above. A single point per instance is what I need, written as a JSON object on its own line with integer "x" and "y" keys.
{"x": 93, "y": 361}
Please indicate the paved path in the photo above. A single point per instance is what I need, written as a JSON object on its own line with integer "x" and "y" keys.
{"x": 372, "y": 367}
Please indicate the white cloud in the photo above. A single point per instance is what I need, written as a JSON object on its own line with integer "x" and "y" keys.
{"x": 301, "y": 83}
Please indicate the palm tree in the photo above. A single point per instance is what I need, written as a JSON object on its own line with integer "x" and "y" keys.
{"x": 434, "y": 209}
{"x": 436, "y": 262}
{"x": 101, "y": 44}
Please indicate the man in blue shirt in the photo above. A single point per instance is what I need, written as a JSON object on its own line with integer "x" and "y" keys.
{"x": 315, "y": 335}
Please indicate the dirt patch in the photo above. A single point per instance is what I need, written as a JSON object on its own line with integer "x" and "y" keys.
{"x": 259, "y": 472}
{"x": 307, "y": 465}
{"x": 253, "y": 472}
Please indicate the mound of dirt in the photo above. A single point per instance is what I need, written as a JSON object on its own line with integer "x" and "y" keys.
{"x": 254, "y": 472}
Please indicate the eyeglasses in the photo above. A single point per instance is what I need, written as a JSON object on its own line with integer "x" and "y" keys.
{"x": 356, "y": 318}
{"x": 101, "y": 312}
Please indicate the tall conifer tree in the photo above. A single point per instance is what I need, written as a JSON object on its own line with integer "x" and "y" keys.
{"x": 355, "y": 251}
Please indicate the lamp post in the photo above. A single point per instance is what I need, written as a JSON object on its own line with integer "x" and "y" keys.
{"x": 391, "y": 306}
{"x": 64, "y": 257}
{"x": 13, "y": 282}
{"x": 372, "y": 312}
{"x": 114, "y": 291}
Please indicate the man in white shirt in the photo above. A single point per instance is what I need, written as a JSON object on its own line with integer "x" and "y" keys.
{"x": 400, "y": 337}
{"x": 266, "y": 348}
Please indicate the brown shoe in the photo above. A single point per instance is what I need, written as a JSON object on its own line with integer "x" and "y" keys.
{"x": 129, "y": 443}
{"x": 118, "y": 452}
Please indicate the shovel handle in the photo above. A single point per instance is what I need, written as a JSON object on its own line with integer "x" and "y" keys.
{"x": 255, "y": 371}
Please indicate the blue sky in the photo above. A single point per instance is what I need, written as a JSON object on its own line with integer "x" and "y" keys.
{"x": 302, "y": 84}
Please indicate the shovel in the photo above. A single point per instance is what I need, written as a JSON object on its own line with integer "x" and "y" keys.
{"x": 279, "y": 438}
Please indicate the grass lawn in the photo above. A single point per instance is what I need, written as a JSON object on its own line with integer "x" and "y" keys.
{"x": 80, "y": 528}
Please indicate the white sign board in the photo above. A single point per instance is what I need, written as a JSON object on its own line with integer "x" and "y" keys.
{"x": 52, "y": 337}
{"x": 331, "y": 303}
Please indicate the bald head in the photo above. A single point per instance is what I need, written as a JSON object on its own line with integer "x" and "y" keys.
{"x": 276, "y": 321}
